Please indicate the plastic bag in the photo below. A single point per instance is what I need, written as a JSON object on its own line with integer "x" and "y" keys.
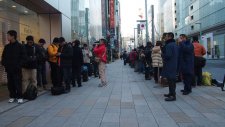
{"x": 206, "y": 78}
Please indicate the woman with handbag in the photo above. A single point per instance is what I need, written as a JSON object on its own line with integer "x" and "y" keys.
{"x": 101, "y": 58}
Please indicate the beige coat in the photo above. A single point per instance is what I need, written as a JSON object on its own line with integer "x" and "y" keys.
{"x": 157, "y": 57}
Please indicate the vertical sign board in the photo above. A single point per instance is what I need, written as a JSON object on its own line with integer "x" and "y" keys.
{"x": 112, "y": 16}
{"x": 104, "y": 11}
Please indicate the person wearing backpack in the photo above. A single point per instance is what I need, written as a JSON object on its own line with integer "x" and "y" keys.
{"x": 29, "y": 70}
{"x": 13, "y": 57}
{"x": 53, "y": 59}
{"x": 41, "y": 70}
{"x": 65, "y": 55}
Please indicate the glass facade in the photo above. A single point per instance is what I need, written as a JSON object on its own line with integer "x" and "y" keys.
{"x": 206, "y": 16}
{"x": 86, "y": 16}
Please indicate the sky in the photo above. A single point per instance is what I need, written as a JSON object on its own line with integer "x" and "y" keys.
{"x": 130, "y": 9}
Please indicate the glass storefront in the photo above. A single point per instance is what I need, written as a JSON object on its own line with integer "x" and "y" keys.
{"x": 16, "y": 17}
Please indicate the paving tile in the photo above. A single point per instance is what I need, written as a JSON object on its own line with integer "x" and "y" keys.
{"x": 180, "y": 117}
{"x": 110, "y": 124}
{"x": 111, "y": 117}
{"x": 21, "y": 122}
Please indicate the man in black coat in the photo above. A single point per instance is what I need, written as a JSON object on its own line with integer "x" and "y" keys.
{"x": 65, "y": 62}
{"x": 148, "y": 61}
{"x": 169, "y": 71}
{"x": 78, "y": 61}
{"x": 13, "y": 57}
{"x": 29, "y": 70}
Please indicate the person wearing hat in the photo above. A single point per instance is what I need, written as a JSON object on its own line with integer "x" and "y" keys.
{"x": 41, "y": 69}
{"x": 53, "y": 59}
{"x": 29, "y": 70}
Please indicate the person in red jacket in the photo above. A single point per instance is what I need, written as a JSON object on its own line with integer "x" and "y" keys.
{"x": 100, "y": 52}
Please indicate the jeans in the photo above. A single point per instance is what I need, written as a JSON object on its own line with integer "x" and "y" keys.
{"x": 67, "y": 74}
{"x": 41, "y": 75}
{"x": 15, "y": 83}
{"x": 89, "y": 68}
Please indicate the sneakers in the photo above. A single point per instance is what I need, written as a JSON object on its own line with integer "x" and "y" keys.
{"x": 11, "y": 100}
{"x": 20, "y": 101}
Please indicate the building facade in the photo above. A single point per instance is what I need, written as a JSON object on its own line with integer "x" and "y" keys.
{"x": 205, "y": 18}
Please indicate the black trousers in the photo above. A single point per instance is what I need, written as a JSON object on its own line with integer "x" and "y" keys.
{"x": 198, "y": 74}
{"x": 172, "y": 87}
{"x": 41, "y": 75}
{"x": 67, "y": 74}
{"x": 55, "y": 74}
{"x": 187, "y": 80}
{"x": 76, "y": 76}
{"x": 95, "y": 68}
{"x": 15, "y": 83}
{"x": 156, "y": 71}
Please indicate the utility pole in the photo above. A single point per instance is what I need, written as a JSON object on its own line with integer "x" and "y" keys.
{"x": 153, "y": 25}
{"x": 146, "y": 16}
{"x": 86, "y": 24}
{"x": 134, "y": 38}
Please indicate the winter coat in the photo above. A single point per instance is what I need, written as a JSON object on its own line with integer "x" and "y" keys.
{"x": 52, "y": 52}
{"x": 170, "y": 59}
{"x": 87, "y": 55}
{"x": 13, "y": 57}
{"x": 78, "y": 60}
{"x": 43, "y": 55}
{"x": 148, "y": 55}
{"x": 199, "y": 50}
{"x": 65, "y": 58}
{"x": 186, "y": 57}
{"x": 157, "y": 57}
{"x": 33, "y": 56}
{"x": 101, "y": 52}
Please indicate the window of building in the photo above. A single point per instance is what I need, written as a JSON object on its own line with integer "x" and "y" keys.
{"x": 192, "y": 27}
{"x": 175, "y": 4}
{"x": 192, "y": 7}
{"x": 192, "y": 17}
{"x": 175, "y": 11}
{"x": 175, "y": 26}
{"x": 175, "y": 19}
{"x": 175, "y": 34}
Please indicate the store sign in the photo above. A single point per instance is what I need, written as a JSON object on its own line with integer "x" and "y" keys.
{"x": 112, "y": 11}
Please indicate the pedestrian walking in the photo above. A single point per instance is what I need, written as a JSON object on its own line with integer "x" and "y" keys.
{"x": 169, "y": 71}
{"x": 124, "y": 56}
{"x": 13, "y": 57}
{"x": 77, "y": 63}
{"x": 101, "y": 54}
{"x": 199, "y": 52}
{"x": 41, "y": 68}
{"x": 157, "y": 62}
{"x": 29, "y": 70}
{"x": 186, "y": 63}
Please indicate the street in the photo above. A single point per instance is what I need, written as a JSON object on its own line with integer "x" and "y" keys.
{"x": 127, "y": 101}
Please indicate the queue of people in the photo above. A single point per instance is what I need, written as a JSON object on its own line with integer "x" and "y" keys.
{"x": 25, "y": 64}
{"x": 172, "y": 60}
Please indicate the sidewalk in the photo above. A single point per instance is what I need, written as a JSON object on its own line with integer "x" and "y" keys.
{"x": 127, "y": 101}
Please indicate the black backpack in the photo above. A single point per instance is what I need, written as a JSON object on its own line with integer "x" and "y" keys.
{"x": 31, "y": 92}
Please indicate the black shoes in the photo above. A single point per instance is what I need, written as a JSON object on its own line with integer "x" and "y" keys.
{"x": 167, "y": 95}
{"x": 185, "y": 92}
{"x": 171, "y": 98}
{"x": 79, "y": 85}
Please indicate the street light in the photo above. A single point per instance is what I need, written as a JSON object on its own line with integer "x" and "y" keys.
{"x": 146, "y": 16}
{"x": 200, "y": 31}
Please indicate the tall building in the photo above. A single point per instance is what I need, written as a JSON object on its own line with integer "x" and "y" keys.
{"x": 206, "y": 18}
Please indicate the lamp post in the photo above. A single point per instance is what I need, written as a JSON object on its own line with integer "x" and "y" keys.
{"x": 146, "y": 16}
{"x": 200, "y": 31}
{"x": 134, "y": 38}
